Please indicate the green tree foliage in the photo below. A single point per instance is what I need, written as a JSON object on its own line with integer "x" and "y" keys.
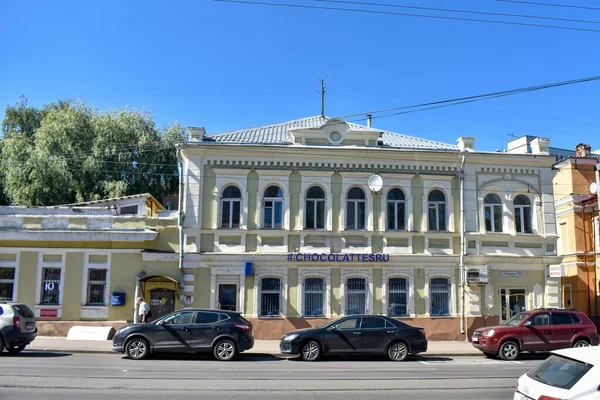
{"x": 69, "y": 152}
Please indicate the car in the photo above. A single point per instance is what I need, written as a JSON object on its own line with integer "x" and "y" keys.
{"x": 17, "y": 327}
{"x": 224, "y": 333}
{"x": 567, "y": 374}
{"x": 540, "y": 330}
{"x": 356, "y": 335}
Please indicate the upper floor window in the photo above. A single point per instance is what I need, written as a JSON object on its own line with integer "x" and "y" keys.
{"x": 493, "y": 213}
{"x": 437, "y": 210}
{"x": 523, "y": 214}
{"x": 395, "y": 210}
{"x": 315, "y": 208}
{"x": 273, "y": 208}
{"x": 355, "y": 209}
{"x": 231, "y": 202}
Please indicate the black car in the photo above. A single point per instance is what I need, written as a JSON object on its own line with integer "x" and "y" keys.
{"x": 356, "y": 334}
{"x": 225, "y": 333}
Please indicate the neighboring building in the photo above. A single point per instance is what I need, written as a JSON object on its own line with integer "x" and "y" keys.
{"x": 138, "y": 204}
{"x": 281, "y": 224}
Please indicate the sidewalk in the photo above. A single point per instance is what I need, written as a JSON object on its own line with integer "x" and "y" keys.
{"x": 61, "y": 344}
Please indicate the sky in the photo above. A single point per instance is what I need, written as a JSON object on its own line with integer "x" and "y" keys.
{"x": 227, "y": 66}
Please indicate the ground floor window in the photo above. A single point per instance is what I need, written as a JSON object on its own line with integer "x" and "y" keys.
{"x": 397, "y": 297}
{"x": 270, "y": 297}
{"x": 50, "y": 286}
{"x": 314, "y": 296}
{"x": 7, "y": 283}
{"x": 439, "y": 289}
{"x": 513, "y": 301}
{"x": 96, "y": 288}
{"x": 356, "y": 296}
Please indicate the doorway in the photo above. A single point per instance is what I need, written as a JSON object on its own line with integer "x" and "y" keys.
{"x": 227, "y": 296}
{"x": 162, "y": 302}
{"x": 567, "y": 296}
{"x": 512, "y": 302}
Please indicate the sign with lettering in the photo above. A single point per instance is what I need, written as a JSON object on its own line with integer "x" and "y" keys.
{"x": 511, "y": 274}
{"x": 555, "y": 271}
{"x": 324, "y": 257}
{"x": 49, "y": 312}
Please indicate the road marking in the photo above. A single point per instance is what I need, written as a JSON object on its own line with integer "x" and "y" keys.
{"x": 424, "y": 362}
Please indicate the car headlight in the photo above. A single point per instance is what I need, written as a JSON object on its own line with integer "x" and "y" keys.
{"x": 289, "y": 338}
{"x": 489, "y": 333}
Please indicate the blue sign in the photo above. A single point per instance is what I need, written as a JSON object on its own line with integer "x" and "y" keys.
{"x": 323, "y": 257}
{"x": 248, "y": 269}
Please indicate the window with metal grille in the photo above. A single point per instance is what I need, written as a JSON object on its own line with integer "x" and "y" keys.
{"x": 493, "y": 213}
{"x": 314, "y": 294}
{"x": 355, "y": 209}
{"x": 273, "y": 208}
{"x": 437, "y": 210}
{"x": 439, "y": 292}
{"x": 50, "y": 286}
{"x": 397, "y": 295}
{"x": 315, "y": 208}
{"x": 231, "y": 201}
{"x": 523, "y": 214}
{"x": 270, "y": 297}
{"x": 7, "y": 283}
{"x": 356, "y": 296}
{"x": 395, "y": 210}
{"x": 96, "y": 289}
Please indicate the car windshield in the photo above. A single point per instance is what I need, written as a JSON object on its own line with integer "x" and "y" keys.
{"x": 514, "y": 321}
{"x": 328, "y": 324}
{"x": 559, "y": 371}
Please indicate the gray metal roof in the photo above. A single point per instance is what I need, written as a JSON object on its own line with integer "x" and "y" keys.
{"x": 280, "y": 134}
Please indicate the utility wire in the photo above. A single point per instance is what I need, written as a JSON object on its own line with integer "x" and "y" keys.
{"x": 550, "y": 4}
{"x": 357, "y": 10}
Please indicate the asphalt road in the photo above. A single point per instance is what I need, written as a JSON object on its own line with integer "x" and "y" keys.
{"x": 52, "y": 376}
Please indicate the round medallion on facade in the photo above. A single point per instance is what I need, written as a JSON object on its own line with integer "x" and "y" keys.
{"x": 507, "y": 177}
{"x": 335, "y": 137}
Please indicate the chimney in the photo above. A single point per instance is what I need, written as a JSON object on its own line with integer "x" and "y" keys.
{"x": 466, "y": 143}
{"x": 540, "y": 146}
{"x": 583, "y": 150}
{"x": 369, "y": 120}
{"x": 196, "y": 133}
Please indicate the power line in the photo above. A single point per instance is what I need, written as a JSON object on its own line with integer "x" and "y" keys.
{"x": 459, "y": 11}
{"x": 357, "y": 10}
{"x": 550, "y": 4}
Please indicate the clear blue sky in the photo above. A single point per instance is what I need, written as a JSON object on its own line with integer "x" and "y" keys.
{"x": 228, "y": 66}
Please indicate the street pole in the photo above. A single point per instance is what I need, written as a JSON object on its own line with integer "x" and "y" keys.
{"x": 462, "y": 242}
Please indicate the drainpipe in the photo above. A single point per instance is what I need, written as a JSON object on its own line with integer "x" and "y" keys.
{"x": 587, "y": 272}
{"x": 462, "y": 243}
{"x": 595, "y": 249}
{"x": 180, "y": 226}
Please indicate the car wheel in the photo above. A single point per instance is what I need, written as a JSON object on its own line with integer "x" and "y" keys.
{"x": 509, "y": 351}
{"x": 398, "y": 351}
{"x": 137, "y": 349}
{"x": 581, "y": 343}
{"x": 16, "y": 349}
{"x": 310, "y": 351}
{"x": 225, "y": 350}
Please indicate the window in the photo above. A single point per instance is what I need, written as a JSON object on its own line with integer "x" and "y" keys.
{"x": 395, "y": 210}
{"x": 231, "y": 201}
{"x": 437, "y": 210}
{"x": 169, "y": 205}
{"x": 315, "y": 208}
{"x": 439, "y": 290}
{"x": 356, "y": 296}
{"x": 350, "y": 323}
{"x": 373, "y": 323}
{"x": 96, "y": 289}
{"x": 560, "y": 372}
{"x": 397, "y": 295}
{"x": 50, "y": 286}
{"x": 129, "y": 210}
{"x": 314, "y": 294}
{"x": 7, "y": 284}
{"x": 180, "y": 318}
{"x": 355, "y": 209}
{"x": 541, "y": 319}
{"x": 561, "y": 319}
{"x": 273, "y": 208}
{"x": 493, "y": 213}
{"x": 523, "y": 214}
{"x": 270, "y": 297}
{"x": 206, "y": 317}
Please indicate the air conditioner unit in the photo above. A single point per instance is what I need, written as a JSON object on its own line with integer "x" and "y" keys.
{"x": 477, "y": 275}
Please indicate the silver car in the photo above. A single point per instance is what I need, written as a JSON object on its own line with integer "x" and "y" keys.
{"x": 17, "y": 327}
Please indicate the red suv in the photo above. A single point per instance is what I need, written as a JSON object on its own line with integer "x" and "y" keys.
{"x": 539, "y": 330}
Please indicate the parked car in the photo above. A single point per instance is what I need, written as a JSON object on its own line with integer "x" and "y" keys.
{"x": 356, "y": 334}
{"x": 540, "y": 330}
{"x": 566, "y": 374}
{"x": 224, "y": 333}
{"x": 17, "y": 327}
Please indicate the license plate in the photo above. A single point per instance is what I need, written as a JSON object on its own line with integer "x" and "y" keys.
{"x": 30, "y": 325}
{"x": 475, "y": 340}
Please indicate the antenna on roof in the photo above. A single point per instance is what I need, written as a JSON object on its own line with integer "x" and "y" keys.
{"x": 323, "y": 90}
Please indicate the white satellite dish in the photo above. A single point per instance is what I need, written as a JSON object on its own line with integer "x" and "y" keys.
{"x": 375, "y": 183}
{"x": 593, "y": 188}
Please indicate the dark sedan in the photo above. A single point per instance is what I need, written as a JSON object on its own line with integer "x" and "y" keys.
{"x": 356, "y": 334}
{"x": 224, "y": 333}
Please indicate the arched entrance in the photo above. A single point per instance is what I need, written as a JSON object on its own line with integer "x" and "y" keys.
{"x": 161, "y": 294}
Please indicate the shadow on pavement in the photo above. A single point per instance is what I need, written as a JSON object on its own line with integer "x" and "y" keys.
{"x": 208, "y": 357}
{"x": 375, "y": 359}
{"x": 36, "y": 354}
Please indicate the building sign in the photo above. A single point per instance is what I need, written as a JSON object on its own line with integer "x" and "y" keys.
{"x": 511, "y": 274}
{"x": 324, "y": 257}
{"x": 555, "y": 271}
{"x": 50, "y": 313}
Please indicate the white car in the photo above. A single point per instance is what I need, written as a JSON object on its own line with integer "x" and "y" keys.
{"x": 568, "y": 374}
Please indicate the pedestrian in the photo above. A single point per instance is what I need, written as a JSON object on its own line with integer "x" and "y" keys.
{"x": 516, "y": 309}
{"x": 143, "y": 310}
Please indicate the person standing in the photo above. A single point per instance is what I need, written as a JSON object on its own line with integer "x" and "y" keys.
{"x": 143, "y": 310}
{"x": 516, "y": 309}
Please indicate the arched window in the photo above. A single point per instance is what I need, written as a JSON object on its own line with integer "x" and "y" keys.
{"x": 439, "y": 291}
{"x": 231, "y": 201}
{"x": 314, "y": 296}
{"x": 437, "y": 210}
{"x": 397, "y": 297}
{"x": 395, "y": 210}
{"x": 355, "y": 209}
{"x": 273, "y": 208}
{"x": 493, "y": 213}
{"x": 356, "y": 296}
{"x": 523, "y": 214}
{"x": 315, "y": 208}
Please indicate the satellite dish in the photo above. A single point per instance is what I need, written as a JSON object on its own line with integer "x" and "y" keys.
{"x": 375, "y": 183}
{"x": 593, "y": 188}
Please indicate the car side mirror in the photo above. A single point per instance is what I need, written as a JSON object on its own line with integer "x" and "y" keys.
{"x": 333, "y": 328}
{"x": 162, "y": 321}
{"x": 527, "y": 323}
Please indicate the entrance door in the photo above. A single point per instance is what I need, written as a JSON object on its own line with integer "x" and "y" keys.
{"x": 227, "y": 296}
{"x": 162, "y": 302}
{"x": 512, "y": 302}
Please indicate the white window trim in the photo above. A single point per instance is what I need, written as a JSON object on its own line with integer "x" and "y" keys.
{"x": 323, "y": 273}
{"x": 280, "y": 179}
{"x": 492, "y": 206}
{"x": 227, "y": 177}
{"x": 351, "y": 180}
{"x": 402, "y": 182}
{"x": 229, "y": 200}
{"x": 449, "y": 274}
{"x": 522, "y": 207}
{"x": 322, "y": 179}
{"x": 50, "y": 264}
{"x": 367, "y": 274}
{"x": 141, "y": 204}
{"x": 409, "y": 275}
{"x": 443, "y": 184}
{"x": 87, "y": 265}
{"x": 15, "y": 265}
{"x": 368, "y": 212}
{"x": 239, "y": 273}
{"x": 280, "y": 273}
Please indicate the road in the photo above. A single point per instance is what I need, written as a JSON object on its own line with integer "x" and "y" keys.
{"x": 49, "y": 376}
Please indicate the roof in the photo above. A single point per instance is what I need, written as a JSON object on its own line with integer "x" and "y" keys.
{"x": 280, "y": 134}
{"x": 114, "y": 199}
{"x": 588, "y": 355}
